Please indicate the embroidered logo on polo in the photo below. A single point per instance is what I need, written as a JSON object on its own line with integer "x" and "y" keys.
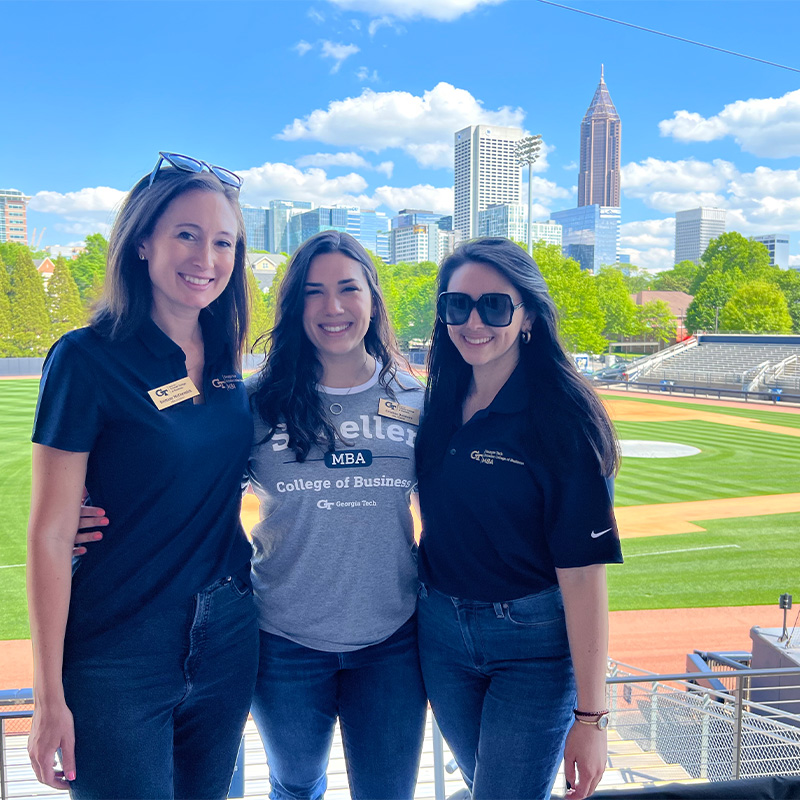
{"x": 599, "y": 533}
{"x": 492, "y": 456}
{"x": 226, "y": 382}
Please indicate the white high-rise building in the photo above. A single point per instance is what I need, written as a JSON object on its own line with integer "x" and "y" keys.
{"x": 778, "y": 246}
{"x": 486, "y": 173}
{"x": 412, "y": 244}
{"x": 510, "y": 222}
{"x": 694, "y": 229}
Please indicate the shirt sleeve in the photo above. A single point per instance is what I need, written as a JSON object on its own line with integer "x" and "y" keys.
{"x": 68, "y": 412}
{"x": 581, "y": 529}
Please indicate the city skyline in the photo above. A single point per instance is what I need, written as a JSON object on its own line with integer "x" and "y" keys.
{"x": 355, "y": 103}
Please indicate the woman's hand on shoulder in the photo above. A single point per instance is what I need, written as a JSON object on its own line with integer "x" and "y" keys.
{"x": 585, "y": 757}
{"x": 52, "y": 729}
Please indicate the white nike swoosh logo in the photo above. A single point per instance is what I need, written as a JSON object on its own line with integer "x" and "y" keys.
{"x": 598, "y": 535}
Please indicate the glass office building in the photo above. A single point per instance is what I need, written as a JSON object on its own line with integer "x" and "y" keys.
{"x": 590, "y": 235}
{"x": 256, "y": 226}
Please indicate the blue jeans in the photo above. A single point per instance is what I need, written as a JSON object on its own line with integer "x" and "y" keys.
{"x": 500, "y": 681}
{"x": 378, "y": 696}
{"x": 159, "y": 712}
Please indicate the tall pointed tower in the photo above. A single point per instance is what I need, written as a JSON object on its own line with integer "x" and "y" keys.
{"x": 601, "y": 133}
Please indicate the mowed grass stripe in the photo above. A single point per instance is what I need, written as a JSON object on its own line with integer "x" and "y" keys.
{"x": 761, "y": 566}
{"x": 733, "y": 462}
{"x": 17, "y": 405}
{"x": 788, "y": 420}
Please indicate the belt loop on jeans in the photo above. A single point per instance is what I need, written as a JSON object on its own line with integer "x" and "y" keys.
{"x": 498, "y": 610}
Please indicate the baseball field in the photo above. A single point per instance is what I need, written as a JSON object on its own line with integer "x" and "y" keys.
{"x": 708, "y": 505}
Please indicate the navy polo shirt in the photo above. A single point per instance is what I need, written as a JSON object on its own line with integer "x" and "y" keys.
{"x": 169, "y": 480}
{"x": 510, "y": 501}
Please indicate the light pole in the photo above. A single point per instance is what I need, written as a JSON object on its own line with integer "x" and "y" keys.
{"x": 527, "y": 151}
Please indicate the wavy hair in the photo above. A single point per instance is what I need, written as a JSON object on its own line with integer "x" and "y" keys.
{"x": 556, "y": 386}
{"x": 286, "y": 389}
{"x": 127, "y": 292}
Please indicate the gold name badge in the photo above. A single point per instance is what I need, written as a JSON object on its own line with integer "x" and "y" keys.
{"x": 392, "y": 410}
{"x": 171, "y": 393}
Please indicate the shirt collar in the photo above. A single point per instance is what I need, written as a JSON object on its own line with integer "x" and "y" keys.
{"x": 513, "y": 396}
{"x": 161, "y": 346}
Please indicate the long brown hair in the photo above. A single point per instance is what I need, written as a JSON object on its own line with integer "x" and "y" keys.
{"x": 287, "y": 384}
{"x": 127, "y": 292}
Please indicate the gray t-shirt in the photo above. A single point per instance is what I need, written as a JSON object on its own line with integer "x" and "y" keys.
{"x": 334, "y": 563}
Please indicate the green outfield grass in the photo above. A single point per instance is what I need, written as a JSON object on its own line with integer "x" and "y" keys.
{"x": 753, "y": 560}
{"x": 17, "y": 404}
{"x": 734, "y": 462}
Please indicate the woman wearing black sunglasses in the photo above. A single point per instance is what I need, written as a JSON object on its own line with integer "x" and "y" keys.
{"x": 145, "y": 658}
{"x": 513, "y": 458}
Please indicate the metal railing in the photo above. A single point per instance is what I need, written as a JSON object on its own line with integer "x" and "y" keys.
{"x": 741, "y": 729}
{"x": 712, "y": 734}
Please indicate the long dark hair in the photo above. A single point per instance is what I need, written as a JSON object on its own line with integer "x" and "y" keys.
{"x": 287, "y": 384}
{"x": 555, "y": 385}
{"x": 127, "y": 292}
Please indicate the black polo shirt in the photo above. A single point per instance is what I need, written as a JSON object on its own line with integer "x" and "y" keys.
{"x": 169, "y": 480}
{"x": 510, "y": 501}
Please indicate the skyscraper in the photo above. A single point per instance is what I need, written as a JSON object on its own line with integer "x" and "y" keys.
{"x": 256, "y": 226}
{"x": 601, "y": 133}
{"x": 486, "y": 173}
{"x": 778, "y": 246}
{"x": 590, "y": 235}
{"x": 694, "y": 229}
{"x": 13, "y": 216}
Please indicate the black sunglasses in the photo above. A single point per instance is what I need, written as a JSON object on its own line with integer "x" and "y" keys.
{"x": 494, "y": 309}
{"x": 189, "y": 164}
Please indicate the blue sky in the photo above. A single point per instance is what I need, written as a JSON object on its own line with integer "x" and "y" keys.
{"x": 356, "y": 101}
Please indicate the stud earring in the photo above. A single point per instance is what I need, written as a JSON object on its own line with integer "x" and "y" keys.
{"x": 141, "y": 257}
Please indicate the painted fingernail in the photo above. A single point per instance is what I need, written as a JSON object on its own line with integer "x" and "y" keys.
{"x": 97, "y": 536}
{"x": 71, "y": 776}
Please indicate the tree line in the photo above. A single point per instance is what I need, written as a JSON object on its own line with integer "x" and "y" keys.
{"x": 734, "y": 288}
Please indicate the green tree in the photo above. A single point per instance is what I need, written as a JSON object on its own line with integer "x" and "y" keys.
{"x": 575, "y": 294}
{"x": 756, "y": 307}
{"x": 615, "y": 301}
{"x": 260, "y": 321}
{"x": 656, "y": 318}
{"x": 64, "y": 305}
{"x": 7, "y": 348}
{"x": 709, "y": 300}
{"x": 271, "y": 298}
{"x": 636, "y": 278}
{"x": 789, "y": 283}
{"x": 89, "y": 268}
{"x": 413, "y": 301}
{"x": 677, "y": 279}
{"x": 30, "y": 323}
{"x": 733, "y": 255}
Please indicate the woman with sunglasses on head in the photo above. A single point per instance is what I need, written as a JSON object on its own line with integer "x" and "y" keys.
{"x": 514, "y": 456}
{"x": 145, "y": 658}
{"x": 334, "y": 567}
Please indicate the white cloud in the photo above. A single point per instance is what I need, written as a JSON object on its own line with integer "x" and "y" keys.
{"x": 543, "y": 190}
{"x": 99, "y": 198}
{"x": 422, "y": 126}
{"x": 384, "y": 22}
{"x": 302, "y": 47}
{"x": 355, "y": 24}
{"x": 333, "y": 160}
{"x": 442, "y": 10}
{"x": 315, "y": 16}
{"x": 648, "y": 233}
{"x": 338, "y": 52}
{"x": 419, "y": 196}
{"x": 767, "y": 127}
{"x": 794, "y": 262}
{"x": 344, "y": 160}
{"x": 272, "y": 181}
{"x": 363, "y": 74}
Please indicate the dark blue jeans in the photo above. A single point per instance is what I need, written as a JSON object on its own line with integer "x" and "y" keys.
{"x": 378, "y": 696}
{"x": 500, "y": 681}
{"x": 159, "y": 713}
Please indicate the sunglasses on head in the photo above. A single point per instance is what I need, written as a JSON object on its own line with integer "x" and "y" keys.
{"x": 494, "y": 309}
{"x": 189, "y": 164}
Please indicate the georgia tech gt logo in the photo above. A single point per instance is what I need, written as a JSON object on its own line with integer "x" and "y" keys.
{"x": 161, "y": 392}
{"x": 325, "y": 504}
